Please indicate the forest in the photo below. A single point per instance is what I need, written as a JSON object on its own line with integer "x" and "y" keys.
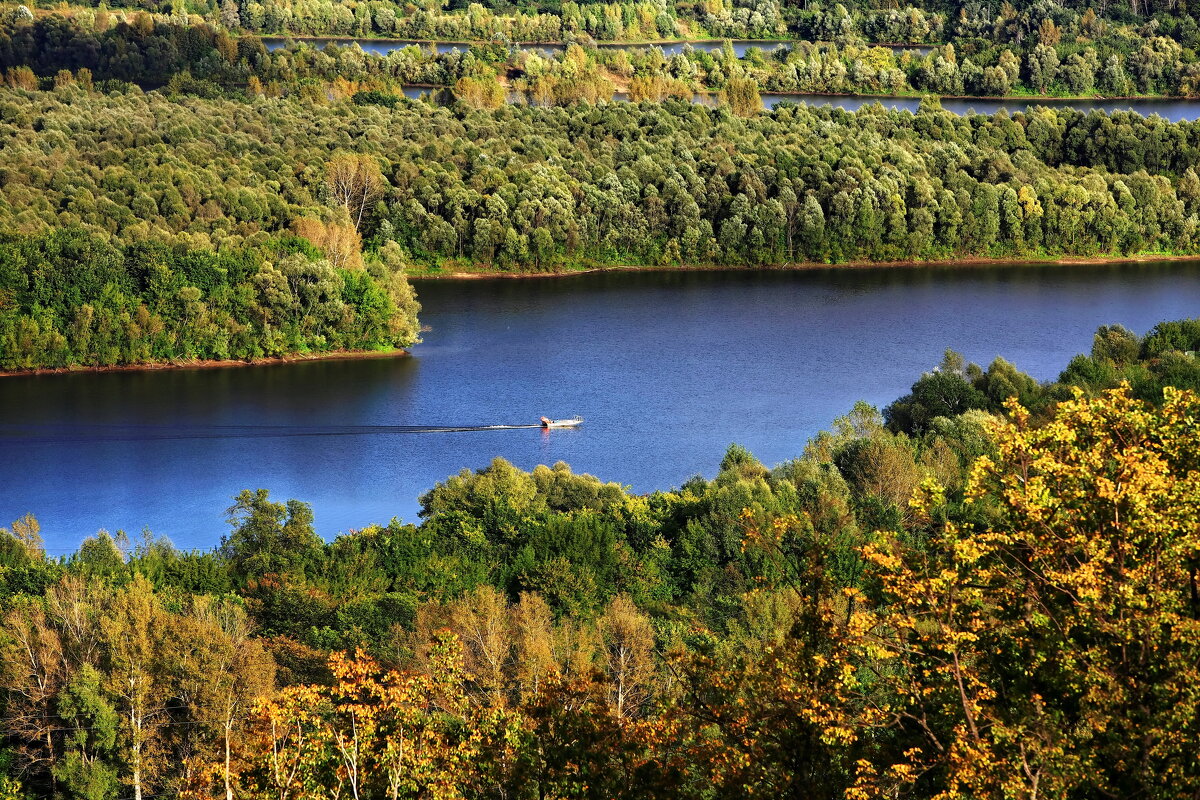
{"x": 200, "y": 222}
{"x": 530, "y": 188}
{"x": 986, "y": 590}
{"x": 637, "y": 21}
{"x": 1026, "y": 55}
{"x": 69, "y": 298}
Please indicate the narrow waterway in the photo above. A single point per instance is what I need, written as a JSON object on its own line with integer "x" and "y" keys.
{"x": 1171, "y": 109}
{"x": 382, "y": 47}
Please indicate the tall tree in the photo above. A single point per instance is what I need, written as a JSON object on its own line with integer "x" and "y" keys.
{"x": 1047, "y": 644}
{"x": 354, "y": 183}
{"x": 33, "y": 672}
{"x": 628, "y": 650}
{"x": 221, "y": 671}
{"x": 134, "y": 627}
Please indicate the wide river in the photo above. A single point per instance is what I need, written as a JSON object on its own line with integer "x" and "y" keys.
{"x": 666, "y": 368}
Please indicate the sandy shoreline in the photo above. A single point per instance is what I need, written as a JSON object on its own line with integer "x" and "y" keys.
{"x": 338, "y": 355}
{"x": 813, "y": 265}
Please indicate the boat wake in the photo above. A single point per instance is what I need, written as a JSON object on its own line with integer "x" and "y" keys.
{"x": 67, "y": 434}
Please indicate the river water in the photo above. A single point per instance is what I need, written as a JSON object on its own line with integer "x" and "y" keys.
{"x": 1171, "y": 109}
{"x": 1168, "y": 109}
{"x": 381, "y": 47}
{"x": 667, "y": 369}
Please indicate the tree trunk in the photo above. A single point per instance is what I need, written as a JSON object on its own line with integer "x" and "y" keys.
{"x": 228, "y": 785}
{"x": 137, "y": 753}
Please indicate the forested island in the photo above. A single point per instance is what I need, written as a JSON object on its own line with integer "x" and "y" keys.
{"x": 986, "y": 590}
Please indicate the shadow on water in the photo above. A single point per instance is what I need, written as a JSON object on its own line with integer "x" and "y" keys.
{"x": 324, "y": 392}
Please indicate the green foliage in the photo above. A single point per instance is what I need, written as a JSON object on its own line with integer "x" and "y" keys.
{"x": 87, "y": 769}
{"x": 522, "y": 188}
{"x": 779, "y": 629}
{"x": 76, "y": 299}
{"x": 942, "y": 393}
{"x": 269, "y": 538}
{"x": 1181, "y": 336}
{"x": 10, "y": 786}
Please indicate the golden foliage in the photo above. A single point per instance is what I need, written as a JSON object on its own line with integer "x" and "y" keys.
{"x": 1053, "y": 645}
{"x": 377, "y": 733}
{"x": 339, "y": 241}
{"x": 354, "y": 182}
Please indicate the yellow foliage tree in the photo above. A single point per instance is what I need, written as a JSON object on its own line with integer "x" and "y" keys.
{"x": 377, "y": 733}
{"x": 354, "y": 183}
{"x": 338, "y": 240}
{"x": 1049, "y": 645}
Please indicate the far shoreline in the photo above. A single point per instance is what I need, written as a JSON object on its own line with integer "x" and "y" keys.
{"x": 155, "y": 366}
{"x": 464, "y": 275}
{"x": 809, "y": 266}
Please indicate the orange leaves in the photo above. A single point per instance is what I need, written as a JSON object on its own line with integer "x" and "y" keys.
{"x": 376, "y": 733}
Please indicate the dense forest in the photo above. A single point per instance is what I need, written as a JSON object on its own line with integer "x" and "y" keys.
{"x": 923, "y": 21}
{"x": 70, "y": 298}
{"x": 263, "y": 203}
{"x": 539, "y": 189}
{"x": 985, "y": 591}
{"x": 205, "y": 221}
{"x": 1026, "y": 56}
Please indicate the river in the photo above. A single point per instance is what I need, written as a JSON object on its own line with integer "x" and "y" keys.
{"x": 1171, "y": 109}
{"x": 667, "y": 369}
{"x": 381, "y": 47}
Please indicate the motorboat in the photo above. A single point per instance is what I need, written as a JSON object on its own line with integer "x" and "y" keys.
{"x": 573, "y": 422}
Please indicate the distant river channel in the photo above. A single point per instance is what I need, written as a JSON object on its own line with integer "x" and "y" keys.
{"x": 382, "y": 47}
{"x": 666, "y": 368}
{"x": 1171, "y": 109}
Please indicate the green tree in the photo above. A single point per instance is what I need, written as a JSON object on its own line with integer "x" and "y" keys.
{"x": 269, "y": 537}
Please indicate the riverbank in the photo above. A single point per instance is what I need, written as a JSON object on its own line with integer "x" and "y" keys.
{"x": 954, "y": 103}
{"x": 802, "y": 266}
{"x": 337, "y": 355}
{"x": 614, "y": 43}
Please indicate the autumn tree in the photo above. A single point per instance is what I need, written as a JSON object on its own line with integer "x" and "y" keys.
{"x": 33, "y": 671}
{"x": 137, "y": 675}
{"x": 339, "y": 240}
{"x": 772, "y": 709}
{"x": 534, "y": 645}
{"x": 481, "y": 622}
{"x": 221, "y": 671}
{"x": 628, "y": 656}
{"x": 1045, "y": 642}
{"x": 381, "y": 733}
{"x": 741, "y": 95}
{"x": 26, "y": 531}
{"x": 354, "y": 182}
